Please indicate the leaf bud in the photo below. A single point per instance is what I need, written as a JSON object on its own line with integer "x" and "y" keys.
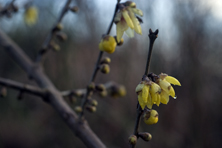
{"x": 3, "y": 92}
{"x": 93, "y": 102}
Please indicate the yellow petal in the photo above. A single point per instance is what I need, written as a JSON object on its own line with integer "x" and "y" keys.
{"x": 135, "y": 21}
{"x": 137, "y": 11}
{"x": 172, "y": 92}
{"x": 145, "y": 93}
{"x": 139, "y": 87}
{"x": 141, "y": 102}
{"x": 130, "y": 32}
{"x": 164, "y": 97}
{"x": 120, "y": 28}
{"x": 127, "y": 19}
{"x": 172, "y": 80}
{"x": 155, "y": 89}
{"x": 158, "y": 100}
{"x": 149, "y": 103}
{"x": 165, "y": 85}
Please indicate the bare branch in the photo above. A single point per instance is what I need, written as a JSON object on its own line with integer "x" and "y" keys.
{"x": 79, "y": 128}
{"x": 23, "y": 87}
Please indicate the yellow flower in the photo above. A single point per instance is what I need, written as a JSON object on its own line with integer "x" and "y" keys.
{"x": 31, "y": 15}
{"x": 167, "y": 90}
{"x": 148, "y": 94}
{"x": 126, "y": 21}
{"x": 150, "y": 117}
{"x": 108, "y": 44}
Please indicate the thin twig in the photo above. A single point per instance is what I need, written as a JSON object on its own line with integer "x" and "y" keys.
{"x": 46, "y": 43}
{"x": 85, "y": 99}
{"x": 23, "y": 87}
{"x": 152, "y": 37}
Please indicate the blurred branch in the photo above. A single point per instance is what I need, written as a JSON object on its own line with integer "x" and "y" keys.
{"x": 80, "y": 128}
{"x": 46, "y": 44}
{"x": 23, "y": 87}
{"x": 85, "y": 99}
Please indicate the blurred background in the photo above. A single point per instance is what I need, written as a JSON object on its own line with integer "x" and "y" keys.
{"x": 188, "y": 47}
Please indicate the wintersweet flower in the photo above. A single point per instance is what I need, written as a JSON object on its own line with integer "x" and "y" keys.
{"x": 148, "y": 94}
{"x": 165, "y": 81}
{"x": 107, "y": 44}
{"x": 127, "y": 21}
{"x": 31, "y": 15}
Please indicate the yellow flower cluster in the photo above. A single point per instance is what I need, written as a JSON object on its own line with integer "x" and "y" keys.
{"x": 107, "y": 44}
{"x": 31, "y": 15}
{"x": 157, "y": 92}
{"x": 126, "y": 20}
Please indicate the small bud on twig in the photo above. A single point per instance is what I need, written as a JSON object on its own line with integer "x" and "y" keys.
{"x": 145, "y": 136}
{"x": 93, "y": 102}
{"x": 106, "y": 60}
{"x": 132, "y": 140}
{"x": 91, "y": 86}
{"x": 78, "y": 109}
{"x": 100, "y": 87}
{"x": 58, "y": 27}
{"x": 91, "y": 109}
{"x": 74, "y": 9}
{"x": 103, "y": 93}
{"x": 105, "y": 68}
{"x": 61, "y": 36}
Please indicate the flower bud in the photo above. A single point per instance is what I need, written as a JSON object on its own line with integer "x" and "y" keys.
{"x": 100, "y": 87}
{"x": 74, "y": 9}
{"x": 61, "y": 36}
{"x": 3, "y": 92}
{"x": 132, "y": 140}
{"x": 58, "y": 27}
{"x": 103, "y": 93}
{"x": 150, "y": 117}
{"x": 105, "y": 68}
{"x": 107, "y": 44}
{"x": 145, "y": 136}
{"x": 93, "y": 102}
{"x": 91, "y": 109}
{"x": 72, "y": 99}
{"x": 91, "y": 86}
{"x": 78, "y": 109}
{"x": 78, "y": 93}
{"x": 54, "y": 46}
{"x": 106, "y": 60}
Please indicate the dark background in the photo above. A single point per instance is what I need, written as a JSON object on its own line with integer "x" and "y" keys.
{"x": 188, "y": 47}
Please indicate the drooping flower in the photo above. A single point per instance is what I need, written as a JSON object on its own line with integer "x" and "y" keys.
{"x": 107, "y": 44}
{"x": 31, "y": 15}
{"x": 127, "y": 21}
{"x": 165, "y": 81}
{"x": 148, "y": 94}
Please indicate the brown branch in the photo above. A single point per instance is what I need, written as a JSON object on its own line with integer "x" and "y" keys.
{"x": 79, "y": 128}
{"x": 23, "y": 87}
{"x": 46, "y": 44}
